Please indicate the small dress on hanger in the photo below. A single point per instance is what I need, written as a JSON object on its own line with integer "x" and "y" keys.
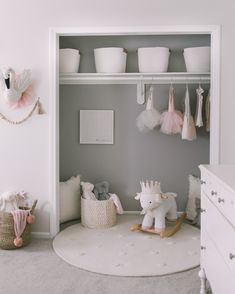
{"x": 198, "y": 114}
{"x": 149, "y": 118}
{"x": 208, "y": 108}
{"x": 188, "y": 130}
{"x": 171, "y": 120}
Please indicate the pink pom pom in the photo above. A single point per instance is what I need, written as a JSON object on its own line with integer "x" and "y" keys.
{"x": 18, "y": 242}
{"x": 30, "y": 219}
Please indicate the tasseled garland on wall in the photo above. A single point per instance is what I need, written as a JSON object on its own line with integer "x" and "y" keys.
{"x": 37, "y": 107}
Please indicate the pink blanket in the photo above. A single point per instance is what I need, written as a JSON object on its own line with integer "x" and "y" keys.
{"x": 117, "y": 203}
{"x": 20, "y": 219}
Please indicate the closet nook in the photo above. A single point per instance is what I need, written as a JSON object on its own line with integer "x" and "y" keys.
{"x": 134, "y": 156}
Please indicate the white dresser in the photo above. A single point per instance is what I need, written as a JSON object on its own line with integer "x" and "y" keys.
{"x": 218, "y": 228}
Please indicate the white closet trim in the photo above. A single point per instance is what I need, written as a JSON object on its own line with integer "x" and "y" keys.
{"x": 55, "y": 33}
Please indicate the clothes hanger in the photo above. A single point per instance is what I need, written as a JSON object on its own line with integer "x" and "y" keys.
{"x": 187, "y": 83}
{"x": 199, "y": 85}
{"x": 149, "y": 90}
{"x": 171, "y": 84}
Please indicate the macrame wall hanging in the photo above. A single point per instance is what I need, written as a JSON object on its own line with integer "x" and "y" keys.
{"x": 17, "y": 92}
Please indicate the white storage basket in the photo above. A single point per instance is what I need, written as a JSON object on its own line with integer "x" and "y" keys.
{"x": 98, "y": 214}
{"x": 69, "y": 60}
{"x": 153, "y": 59}
{"x": 110, "y": 60}
{"x": 197, "y": 59}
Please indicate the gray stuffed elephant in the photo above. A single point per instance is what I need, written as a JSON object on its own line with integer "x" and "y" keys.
{"x": 101, "y": 190}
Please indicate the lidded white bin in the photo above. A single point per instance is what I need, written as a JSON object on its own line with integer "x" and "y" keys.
{"x": 197, "y": 59}
{"x": 69, "y": 60}
{"x": 110, "y": 60}
{"x": 153, "y": 59}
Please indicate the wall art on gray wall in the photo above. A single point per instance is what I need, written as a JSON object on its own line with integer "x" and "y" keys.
{"x": 96, "y": 126}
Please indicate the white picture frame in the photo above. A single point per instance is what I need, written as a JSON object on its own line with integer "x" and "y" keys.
{"x": 96, "y": 126}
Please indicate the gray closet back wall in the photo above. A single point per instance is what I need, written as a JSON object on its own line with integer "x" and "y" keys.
{"x": 133, "y": 156}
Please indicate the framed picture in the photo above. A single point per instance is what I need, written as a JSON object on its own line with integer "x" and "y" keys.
{"x": 96, "y": 126}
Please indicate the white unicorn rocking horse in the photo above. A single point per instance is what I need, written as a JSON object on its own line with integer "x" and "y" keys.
{"x": 158, "y": 207}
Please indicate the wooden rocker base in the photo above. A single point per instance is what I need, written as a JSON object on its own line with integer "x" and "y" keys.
{"x": 169, "y": 231}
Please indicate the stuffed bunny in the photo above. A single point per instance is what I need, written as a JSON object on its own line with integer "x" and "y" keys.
{"x": 87, "y": 191}
{"x": 10, "y": 200}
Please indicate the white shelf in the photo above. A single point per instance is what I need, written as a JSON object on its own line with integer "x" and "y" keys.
{"x": 135, "y": 78}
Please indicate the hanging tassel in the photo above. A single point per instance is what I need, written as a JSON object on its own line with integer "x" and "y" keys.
{"x": 39, "y": 108}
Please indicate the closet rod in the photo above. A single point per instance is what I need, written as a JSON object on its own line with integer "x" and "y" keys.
{"x": 133, "y": 78}
{"x": 175, "y": 81}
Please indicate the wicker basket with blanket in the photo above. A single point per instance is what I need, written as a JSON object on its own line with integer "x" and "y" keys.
{"x": 7, "y": 230}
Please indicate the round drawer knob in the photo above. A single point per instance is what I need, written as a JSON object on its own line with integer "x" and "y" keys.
{"x": 203, "y": 248}
{"x": 202, "y": 210}
{"x": 231, "y": 256}
{"x": 220, "y": 200}
{"x": 203, "y": 182}
{"x": 213, "y": 193}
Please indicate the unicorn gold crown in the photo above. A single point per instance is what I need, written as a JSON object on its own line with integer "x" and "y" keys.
{"x": 150, "y": 187}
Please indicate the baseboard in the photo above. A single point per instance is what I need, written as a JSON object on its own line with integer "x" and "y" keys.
{"x": 131, "y": 212}
{"x": 41, "y": 235}
{"x": 46, "y": 235}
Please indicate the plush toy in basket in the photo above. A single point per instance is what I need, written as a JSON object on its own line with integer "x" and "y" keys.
{"x": 158, "y": 206}
{"x": 15, "y": 220}
{"x": 99, "y": 208}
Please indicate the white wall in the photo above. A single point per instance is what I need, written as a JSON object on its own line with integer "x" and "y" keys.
{"x": 24, "y": 43}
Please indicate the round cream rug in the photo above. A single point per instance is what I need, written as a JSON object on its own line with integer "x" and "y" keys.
{"x": 118, "y": 251}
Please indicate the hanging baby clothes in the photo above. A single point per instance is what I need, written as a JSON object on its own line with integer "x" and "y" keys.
{"x": 188, "y": 130}
{"x": 149, "y": 118}
{"x": 198, "y": 114}
{"x": 208, "y": 109}
{"x": 171, "y": 120}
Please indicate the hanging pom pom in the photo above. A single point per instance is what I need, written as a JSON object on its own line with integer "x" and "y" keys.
{"x": 30, "y": 219}
{"x": 18, "y": 242}
{"x": 39, "y": 108}
{"x": 149, "y": 118}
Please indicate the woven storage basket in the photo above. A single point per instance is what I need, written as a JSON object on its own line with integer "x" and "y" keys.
{"x": 7, "y": 232}
{"x": 98, "y": 214}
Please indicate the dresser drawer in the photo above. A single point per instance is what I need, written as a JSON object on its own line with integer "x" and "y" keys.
{"x": 217, "y": 272}
{"x": 220, "y": 231}
{"x": 206, "y": 182}
{"x": 222, "y": 197}
{"x": 225, "y": 201}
